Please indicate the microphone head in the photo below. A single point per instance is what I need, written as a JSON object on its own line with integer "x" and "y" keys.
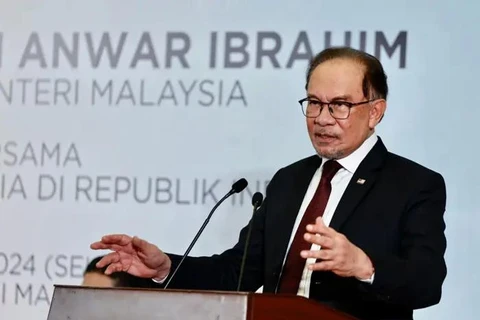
{"x": 239, "y": 185}
{"x": 257, "y": 199}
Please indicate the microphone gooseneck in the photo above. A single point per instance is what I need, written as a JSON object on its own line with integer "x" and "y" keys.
{"x": 257, "y": 200}
{"x": 237, "y": 187}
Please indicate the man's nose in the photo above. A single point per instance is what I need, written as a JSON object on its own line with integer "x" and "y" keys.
{"x": 324, "y": 117}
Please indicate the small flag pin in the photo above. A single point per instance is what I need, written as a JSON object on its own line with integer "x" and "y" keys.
{"x": 361, "y": 181}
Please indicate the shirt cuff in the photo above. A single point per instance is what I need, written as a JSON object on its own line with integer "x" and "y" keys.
{"x": 370, "y": 281}
{"x": 160, "y": 281}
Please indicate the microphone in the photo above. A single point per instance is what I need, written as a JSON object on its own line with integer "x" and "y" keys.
{"x": 237, "y": 187}
{"x": 257, "y": 200}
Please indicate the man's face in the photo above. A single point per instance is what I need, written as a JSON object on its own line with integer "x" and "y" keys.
{"x": 334, "y": 80}
{"x": 96, "y": 279}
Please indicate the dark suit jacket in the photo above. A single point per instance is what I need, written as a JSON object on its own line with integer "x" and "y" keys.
{"x": 395, "y": 217}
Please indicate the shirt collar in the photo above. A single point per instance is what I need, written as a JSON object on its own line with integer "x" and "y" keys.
{"x": 353, "y": 160}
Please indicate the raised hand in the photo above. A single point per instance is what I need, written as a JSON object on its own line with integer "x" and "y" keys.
{"x": 133, "y": 255}
{"x": 337, "y": 253}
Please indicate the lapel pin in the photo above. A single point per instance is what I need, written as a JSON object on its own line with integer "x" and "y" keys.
{"x": 361, "y": 181}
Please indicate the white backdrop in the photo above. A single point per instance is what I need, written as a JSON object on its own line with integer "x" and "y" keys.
{"x": 133, "y": 141}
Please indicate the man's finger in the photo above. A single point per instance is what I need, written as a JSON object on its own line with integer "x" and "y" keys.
{"x": 323, "y": 254}
{"x": 326, "y": 242}
{"x": 320, "y": 228}
{"x": 322, "y": 266}
{"x": 120, "y": 239}
{"x": 323, "y": 241}
{"x": 141, "y": 244}
{"x": 324, "y": 229}
{"x": 99, "y": 246}
{"x": 114, "y": 267}
{"x": 108, "y": 259}
{"x": 326, "y": 254}
{"x": 103, "y": 246}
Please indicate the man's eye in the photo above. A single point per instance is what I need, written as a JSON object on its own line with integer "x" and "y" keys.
{"x": 339, "y": 104}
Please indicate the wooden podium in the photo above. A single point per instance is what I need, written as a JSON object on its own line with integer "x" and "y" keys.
{"x": 87, "y": 303}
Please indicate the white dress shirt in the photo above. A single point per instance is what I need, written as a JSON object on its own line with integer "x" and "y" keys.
{"x": 339, "y": 184}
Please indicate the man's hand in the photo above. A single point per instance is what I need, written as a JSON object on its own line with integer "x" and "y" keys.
{"x": 133, "y": 255}
{"x": 337, "y": 253}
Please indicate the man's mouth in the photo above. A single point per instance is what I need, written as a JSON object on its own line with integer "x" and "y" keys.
{"x": 325, "y": 137}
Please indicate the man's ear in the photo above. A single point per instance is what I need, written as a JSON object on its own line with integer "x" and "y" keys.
{"x": 376, "y": 113}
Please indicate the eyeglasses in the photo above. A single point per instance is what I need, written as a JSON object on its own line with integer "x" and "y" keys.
{"x": 312, "y": 108}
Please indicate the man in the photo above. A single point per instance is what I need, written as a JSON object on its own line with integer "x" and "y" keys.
{"x": 354, "y": 226}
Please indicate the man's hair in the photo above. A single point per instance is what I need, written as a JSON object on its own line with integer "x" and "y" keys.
{"x": 117, "y": 277}
{"x": 120, "y": 279}
{"x": 91, "y": 267}
{"x": 374, "y": 83}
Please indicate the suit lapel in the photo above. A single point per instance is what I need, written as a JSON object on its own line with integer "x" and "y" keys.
{"x": 362, "y": 181}
{"x": 286, "y": 219}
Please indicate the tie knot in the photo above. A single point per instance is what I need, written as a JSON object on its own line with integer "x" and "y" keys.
{"x": 330, "y": 168}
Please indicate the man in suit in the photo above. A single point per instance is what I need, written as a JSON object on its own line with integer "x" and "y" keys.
{"x": 354, "y": 226}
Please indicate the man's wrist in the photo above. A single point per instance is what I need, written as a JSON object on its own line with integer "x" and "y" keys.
{"x": 164, "y": 271}
{"x": 366, "y": 269}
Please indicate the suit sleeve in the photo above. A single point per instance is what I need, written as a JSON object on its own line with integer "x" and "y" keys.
{"x": 415, "y": 277}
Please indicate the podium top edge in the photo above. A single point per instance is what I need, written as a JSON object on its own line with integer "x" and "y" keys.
{"x": 61, "y": 286}
{"x": 183, "y": 291}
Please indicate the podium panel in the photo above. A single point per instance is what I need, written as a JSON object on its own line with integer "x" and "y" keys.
{"x": 84, "y": 303}
{"x": 87, "y": 303}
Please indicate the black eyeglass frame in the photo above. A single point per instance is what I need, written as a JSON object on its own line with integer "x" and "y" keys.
{"x": 349, "y": 105}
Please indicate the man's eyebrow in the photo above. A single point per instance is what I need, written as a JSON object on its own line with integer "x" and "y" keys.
{"x": 343, "y": 97}
{"x": 311, "y": 95}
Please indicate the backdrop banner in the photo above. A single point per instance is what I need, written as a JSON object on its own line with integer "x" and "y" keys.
{"x": 137, "y": 117}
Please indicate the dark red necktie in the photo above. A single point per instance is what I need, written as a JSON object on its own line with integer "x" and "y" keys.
{"x": 294, "y": 265}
